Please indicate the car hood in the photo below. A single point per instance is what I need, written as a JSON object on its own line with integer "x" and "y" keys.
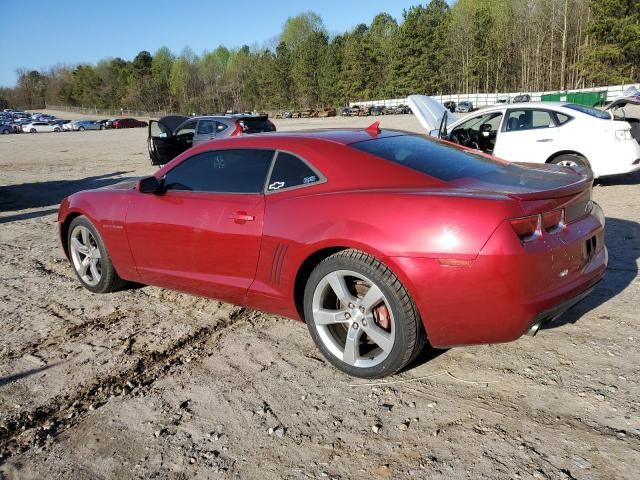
{"x": 429, "y": 111}
{"x": 128, "y": 184}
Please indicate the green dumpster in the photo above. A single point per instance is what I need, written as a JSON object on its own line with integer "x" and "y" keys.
{"x": 551, "y": 97}
{"x": 589, "y": 99}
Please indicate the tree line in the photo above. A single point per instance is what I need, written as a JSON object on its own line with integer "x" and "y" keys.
{"x": 470, "y": 46}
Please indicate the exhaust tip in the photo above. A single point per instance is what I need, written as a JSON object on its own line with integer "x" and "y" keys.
{"x": 533, "y": 330}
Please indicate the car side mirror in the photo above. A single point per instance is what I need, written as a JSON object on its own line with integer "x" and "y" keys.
{"x": 434, "y": 133}
{"x": 149, "y": 185}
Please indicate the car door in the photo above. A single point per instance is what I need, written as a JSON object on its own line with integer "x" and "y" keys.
{"x": 527, "y": 135}
{"x": 205, "y": 131}
{"x": 203, "y": 233}
{"x": 162, "y": 143}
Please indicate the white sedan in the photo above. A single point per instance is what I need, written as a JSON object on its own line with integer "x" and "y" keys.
{"x": 36, "y": 127}
{"x": 548, "y": 132}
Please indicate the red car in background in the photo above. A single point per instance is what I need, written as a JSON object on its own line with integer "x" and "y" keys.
{"x": 128, "y": 123}
{"x": 378, "y": 240}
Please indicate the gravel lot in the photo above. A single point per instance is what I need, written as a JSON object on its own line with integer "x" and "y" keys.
{"x": 148, "y": 383}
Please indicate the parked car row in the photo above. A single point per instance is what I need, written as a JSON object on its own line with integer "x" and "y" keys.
{"x": 14, "y": 121}
{"x": 374, "y": 110}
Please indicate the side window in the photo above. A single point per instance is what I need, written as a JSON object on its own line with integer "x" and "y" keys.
{"x": 222, "y": 171}
{"x": 206, "y": 127}
{"x": 561, "y": 118}
{"x": 528, "y": 119}
{"x": 188, "y": 129}
{"x": 474, "y": 123}
{"x": 220, "y": 127}
{"x": 290, "y": 171}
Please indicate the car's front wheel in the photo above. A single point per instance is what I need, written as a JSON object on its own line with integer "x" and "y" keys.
{"x": 81, "y": 129}
{"x": 361, "y": 317}
{"x": 90, "y": 258}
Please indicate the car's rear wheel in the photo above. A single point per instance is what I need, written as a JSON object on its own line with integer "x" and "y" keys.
{"x": 56, "y": 130}
{"x": 570, "y": 160}
{"x": 33, "y": 130}
{"x": 81, "y": 129}
{"x": 90, "y": 258}
{"x": 361, "y": 317}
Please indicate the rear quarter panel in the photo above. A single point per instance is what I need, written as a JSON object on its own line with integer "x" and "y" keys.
{"x": 387, "y": 225}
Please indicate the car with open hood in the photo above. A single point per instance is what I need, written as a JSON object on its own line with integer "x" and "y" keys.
{"x": 377, "y": 239}
{"x": 606, "y": 142}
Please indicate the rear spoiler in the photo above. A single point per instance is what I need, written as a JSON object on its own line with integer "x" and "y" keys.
{"x": 584, "y": 180}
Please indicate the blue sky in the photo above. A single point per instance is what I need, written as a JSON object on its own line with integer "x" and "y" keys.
{"x": 42, "y": 34}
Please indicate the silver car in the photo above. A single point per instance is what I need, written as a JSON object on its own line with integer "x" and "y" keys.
{"x": 172, "y": 135}
{"x": 81, "y": 125}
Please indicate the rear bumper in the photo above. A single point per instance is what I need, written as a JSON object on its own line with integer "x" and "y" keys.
{"x": 622, "y": 157}
{"x": 508, "y": 289}
{"x": 550, "y": 315}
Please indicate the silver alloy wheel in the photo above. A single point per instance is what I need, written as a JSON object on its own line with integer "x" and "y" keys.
{"x": 567, "y": 163}
{"x": 346, "y": 318}
{"x": 85, "y": 255}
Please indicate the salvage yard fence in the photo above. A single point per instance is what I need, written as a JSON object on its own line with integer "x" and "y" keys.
{"x": 478, "y": 99}
{"x": 109, "y": 113}
{"x": 486, "y": 99}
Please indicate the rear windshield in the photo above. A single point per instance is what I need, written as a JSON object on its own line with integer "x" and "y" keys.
{"x": 589, "y": 111}
{"x": 448, "y": 163}
{"x": 428, "y": 156}
{"x": 256, "y": 124}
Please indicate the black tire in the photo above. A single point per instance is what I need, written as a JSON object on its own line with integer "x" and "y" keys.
{"x": 81, "y": 129}
{"x": 57, "y": 130}
{"x": 33, "y": 130}
{"x": 410, "y": 336}
{"x": 109, "y": 279}
{"x": 5, "y": 132}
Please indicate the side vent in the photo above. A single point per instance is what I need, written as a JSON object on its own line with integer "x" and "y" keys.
{"x": 278, "y": 261}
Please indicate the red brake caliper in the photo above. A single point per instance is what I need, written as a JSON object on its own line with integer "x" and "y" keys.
{"x": 382, "y": 317}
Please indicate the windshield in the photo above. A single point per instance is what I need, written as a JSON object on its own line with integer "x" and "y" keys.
{"x": 588, "y": 111}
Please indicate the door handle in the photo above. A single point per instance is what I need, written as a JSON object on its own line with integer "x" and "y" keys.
{"x": 242, "y": 217}
{"x": 545, "y": 140}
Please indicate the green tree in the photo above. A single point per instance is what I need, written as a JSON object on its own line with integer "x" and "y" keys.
{"x": 298, "y": 29}
{"x": 612, "y": 54}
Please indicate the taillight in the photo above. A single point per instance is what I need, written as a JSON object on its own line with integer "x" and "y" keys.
{"x": 527, "y": 228}
{"x": 238, "y": 130}
{"x": 532, "y": 227}
{"x": 553, "y": 221}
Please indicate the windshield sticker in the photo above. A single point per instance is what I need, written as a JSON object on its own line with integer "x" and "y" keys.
{"x": 310, "y": 179}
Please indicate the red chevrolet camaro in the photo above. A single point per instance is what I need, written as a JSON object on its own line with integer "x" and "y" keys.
{"x": 378, "y": 240}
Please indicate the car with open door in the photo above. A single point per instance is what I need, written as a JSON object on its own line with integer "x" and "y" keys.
{"x": 173, "y": 134}
{"x": 552, "y": 132}
{"x": 378, "y": 240}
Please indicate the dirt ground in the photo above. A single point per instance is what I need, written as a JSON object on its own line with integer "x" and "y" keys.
{"x": 149, "y": 383}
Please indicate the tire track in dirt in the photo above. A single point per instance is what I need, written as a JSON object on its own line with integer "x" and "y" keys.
{"x": 28, "y": 429}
